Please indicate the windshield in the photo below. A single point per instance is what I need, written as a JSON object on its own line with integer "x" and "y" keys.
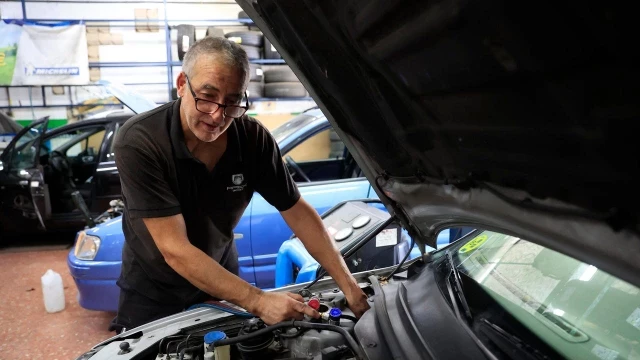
{"x": 577, "y": 309}
{"x": 291, "y": 126}
{"x": 23, "y": 154}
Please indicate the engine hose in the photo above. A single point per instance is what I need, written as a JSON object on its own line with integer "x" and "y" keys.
{"x": 301, "y": 324}
{"x": 189, "y": 349}
{"x": 349, "y": 317}
{"x": 222, "y": 308}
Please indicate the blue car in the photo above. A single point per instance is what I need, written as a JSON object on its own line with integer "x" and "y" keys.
{"x": 324, "y": 170}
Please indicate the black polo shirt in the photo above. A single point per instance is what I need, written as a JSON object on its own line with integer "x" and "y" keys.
{"x": 160, "y": 177}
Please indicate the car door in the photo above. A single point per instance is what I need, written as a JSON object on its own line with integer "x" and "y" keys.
{"x": 316, "y": 155}
{"x": 79, "y": 146}
{"x": 25, "y": 197}
{"x": 106, "y": 177}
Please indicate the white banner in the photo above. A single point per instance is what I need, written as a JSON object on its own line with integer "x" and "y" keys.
{"x": 52, "y": 55}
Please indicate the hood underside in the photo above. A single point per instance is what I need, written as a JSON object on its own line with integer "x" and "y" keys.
{"x": 516, "y": 116}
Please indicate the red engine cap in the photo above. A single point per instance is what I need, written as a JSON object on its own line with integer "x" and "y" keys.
{"x": 314, "y": 303}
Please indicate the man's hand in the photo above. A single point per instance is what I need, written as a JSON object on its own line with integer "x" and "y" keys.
{"x": 357, "y": 302}
{"x": 273, "y": 307}
{"x": 308, "y": 227}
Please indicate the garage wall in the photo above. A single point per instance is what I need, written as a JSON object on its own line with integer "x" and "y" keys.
{"x": 120, "y": 43}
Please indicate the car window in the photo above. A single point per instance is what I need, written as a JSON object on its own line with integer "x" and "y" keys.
{"x": 78, "y": 142}
{"x": 321, "y": 146}
{"x": 23, "y": 154}
{"x": 110, "y": 155}
{"x": 87, "y": 147}
{"x": 577, "y": 309}
{"x": 291, "y": 126}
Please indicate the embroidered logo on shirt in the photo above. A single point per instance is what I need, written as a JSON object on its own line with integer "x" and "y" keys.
{"x": 237, "y": 181}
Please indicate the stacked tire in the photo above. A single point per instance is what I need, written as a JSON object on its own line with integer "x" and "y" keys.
{"x": 186, "y": 38}
{"x": 281, "y": 82}
{"x": 250, "y": 41}
{"x": 255, "y": 89}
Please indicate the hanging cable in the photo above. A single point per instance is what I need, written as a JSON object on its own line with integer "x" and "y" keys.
{"x": 413, "y": 243}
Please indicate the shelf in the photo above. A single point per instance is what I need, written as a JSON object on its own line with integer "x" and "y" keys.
{"x": 162, "y": 24}
{"x": 281, "y": 99}
{"x": 147, "y": 21}
{"x": 267, "y": 61}
{"x": 57, "y": 106}
{"x": 173, "y": 63}
{"x": 126, "y": 64}
{"x": 79, "y": 85}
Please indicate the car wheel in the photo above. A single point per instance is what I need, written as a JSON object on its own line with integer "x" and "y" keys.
{"x": 280, "y": 74}
{"x": 251, "y": 38}
{"x": 256, "y": 72}
{"x": 284, "y": 90}
{"x": 270, "y": 51}
{"x": 253, "y": 52}
{"x": 255, "y": 90}
{"x": 243, "y": 15}
{"x": 186, "y": 38}
{"x": 213, "y": 31}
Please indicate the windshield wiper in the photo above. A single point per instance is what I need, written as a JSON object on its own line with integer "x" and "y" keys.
{"x": 457, "y": 281}
{"x": 525, "y": 350}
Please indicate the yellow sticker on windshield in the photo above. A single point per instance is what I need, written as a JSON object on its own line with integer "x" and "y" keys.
{"x": 473, "y": 244}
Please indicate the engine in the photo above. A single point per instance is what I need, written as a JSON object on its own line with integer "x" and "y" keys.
{"x": 327, "y": 338}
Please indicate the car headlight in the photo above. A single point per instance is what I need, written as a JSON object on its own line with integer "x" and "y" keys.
{"x": 87, "y": 246}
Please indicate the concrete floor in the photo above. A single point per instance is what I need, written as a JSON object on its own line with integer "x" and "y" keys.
{"x": 27, "y": 331}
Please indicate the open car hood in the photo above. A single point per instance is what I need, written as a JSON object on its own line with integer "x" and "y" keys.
{"x": 513, "y": 117}
{"x": 135, "y": 101}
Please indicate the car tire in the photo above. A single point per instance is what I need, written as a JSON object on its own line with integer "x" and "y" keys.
{"x": 253, "y": 52}
{"x": 251, "y": 38}
{"x": 256, "y": 72}
{"x": 281, "y": 74}
{"x": 186, "y": 38}
{"x": 255, "y": 90}
{"x": 213, "y": 31}
{"x": 269, "y": 51}
{"x": 284, "y": 90}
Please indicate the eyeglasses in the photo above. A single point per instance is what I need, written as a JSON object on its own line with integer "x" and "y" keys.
{"x": 210, "y": 107}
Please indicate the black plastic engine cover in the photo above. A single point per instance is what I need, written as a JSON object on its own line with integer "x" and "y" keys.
{"x": 420, "y": 323}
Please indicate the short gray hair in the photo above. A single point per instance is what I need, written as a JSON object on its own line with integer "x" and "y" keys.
{"x": 221, "y": 49}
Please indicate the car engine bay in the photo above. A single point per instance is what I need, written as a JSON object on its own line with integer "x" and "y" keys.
{"x": 328, "y": 337}
{"x": 409, "y": 318}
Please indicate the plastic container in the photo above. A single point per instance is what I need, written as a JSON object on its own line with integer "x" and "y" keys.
{"x": 52, "y": 291}
{"x": 218, "y": 352}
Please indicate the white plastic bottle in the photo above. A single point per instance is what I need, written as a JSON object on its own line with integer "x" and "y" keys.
{"x": 52, "y": 291}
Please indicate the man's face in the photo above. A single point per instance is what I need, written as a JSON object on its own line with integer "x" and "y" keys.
{"x": 214, "y": 81}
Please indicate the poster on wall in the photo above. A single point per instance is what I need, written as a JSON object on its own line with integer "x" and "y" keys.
{"x": 9, "y": 38}
{"x": 52, "y": 55}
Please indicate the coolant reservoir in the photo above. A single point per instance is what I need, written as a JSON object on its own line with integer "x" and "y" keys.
{"x": 52, "y": 291}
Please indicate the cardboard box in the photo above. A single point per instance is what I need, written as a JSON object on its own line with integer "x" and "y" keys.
{"x": 93, "y": 38}
{"x": 94, "y": 74}
{"x": 94, "y": 53}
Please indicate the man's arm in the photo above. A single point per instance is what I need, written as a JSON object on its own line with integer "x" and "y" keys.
{"x": 170, "y": 235}
{"x": 305, "y": 222}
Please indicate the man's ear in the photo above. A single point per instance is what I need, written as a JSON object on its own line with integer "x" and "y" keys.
{"x": 181, "y": 84}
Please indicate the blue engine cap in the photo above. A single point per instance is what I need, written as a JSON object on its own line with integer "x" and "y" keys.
{"x": 214, "y": 336}
{"x": 335, "y": 313}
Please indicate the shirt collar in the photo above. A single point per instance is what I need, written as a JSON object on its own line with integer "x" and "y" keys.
{"x": 177, "y": 135}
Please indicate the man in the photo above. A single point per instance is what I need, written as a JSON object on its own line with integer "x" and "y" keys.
{"x": 188, "y": 170}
